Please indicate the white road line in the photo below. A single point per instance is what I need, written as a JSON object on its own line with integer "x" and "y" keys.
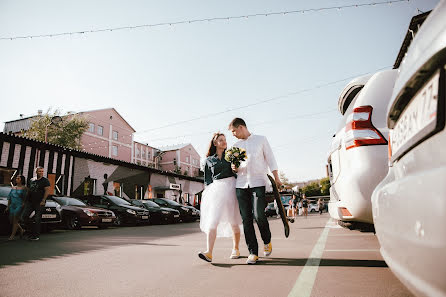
{"x": 304, "y": 283}
{"x": 358, "y": 250}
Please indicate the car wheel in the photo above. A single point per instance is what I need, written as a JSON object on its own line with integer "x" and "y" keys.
{"x": 73, "y": 222}
{"x": 119, "y": 220}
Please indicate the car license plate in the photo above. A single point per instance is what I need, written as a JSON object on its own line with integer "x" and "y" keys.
{"x": 106, "y": 220}
{"x": 418, "y": 119}
{"x": 176, "y": 216}
{"x": 48, "y": 216}
{"x": 145, "y": 217}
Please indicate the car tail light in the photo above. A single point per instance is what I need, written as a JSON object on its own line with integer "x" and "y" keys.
{"x": 345, "y": 212}
{"x": 360, "y": 130}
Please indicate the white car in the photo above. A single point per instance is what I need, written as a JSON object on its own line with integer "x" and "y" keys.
{"x": 409, "y": 205}
{"x": 357, "y": 159}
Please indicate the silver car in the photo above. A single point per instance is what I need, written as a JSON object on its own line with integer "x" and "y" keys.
{"x": 357, "y": 158}
{"x": 409, "y": 205}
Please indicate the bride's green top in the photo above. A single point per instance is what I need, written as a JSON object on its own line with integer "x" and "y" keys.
{"x": 217, "y": 169}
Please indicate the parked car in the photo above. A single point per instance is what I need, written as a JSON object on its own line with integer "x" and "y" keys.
{"x": 313, "y": 207}
{"x": 357, "y": 159}
{"x": 76, "y": 214}
{"x": 126, "y": 214}
{"x": 158, "y": 214}
{"x": 187, "y": 213}
{"x": 50, "y": 215}
{"x": 409, "y": 205}
{"x": 270, "y": 210}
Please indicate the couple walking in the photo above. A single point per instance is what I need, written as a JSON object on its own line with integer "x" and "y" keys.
{"x": 235, "y": 196}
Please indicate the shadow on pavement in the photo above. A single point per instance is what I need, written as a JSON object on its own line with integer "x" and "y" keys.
{"x": 312, "y": 262}
{"x": 60, "y": 243}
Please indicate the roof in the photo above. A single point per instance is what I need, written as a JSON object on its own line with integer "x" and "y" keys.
{"x": 81, "y": 154}
{"x": 111, "y": 108}
{"x": 414, "y": 25}
{"x": 173, "y": 147}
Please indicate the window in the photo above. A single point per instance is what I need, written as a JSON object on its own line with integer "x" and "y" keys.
{"x": 114, "y": 150}
{"x": 143, "y": 154}
{"x": 91, "y": 127}
{"x": 149, "y": 156}
{"x": 115, "y": 135}
{"x": 137, "y": 152}
{"x": 187, "y": 159}
{"x": 100, "y": 130}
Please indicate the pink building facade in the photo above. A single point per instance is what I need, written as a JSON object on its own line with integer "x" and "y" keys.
{"x": 108, "y": 135}
{"x": 145, "y": 155}
{"x": 182, "y": 159}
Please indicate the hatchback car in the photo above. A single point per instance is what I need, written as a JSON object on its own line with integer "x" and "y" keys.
{"x": 158, "y": 214}
{"x": 187, "y": 213}
{"x": 357, "y": 158}
{"x": 126, "y": 214}
{"x": 50, "y": 215}
{"x": 76, "y": 214}
{"x": 409, "y": 205}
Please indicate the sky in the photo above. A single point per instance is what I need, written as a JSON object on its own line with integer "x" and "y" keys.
{"x": 180, "y": 83}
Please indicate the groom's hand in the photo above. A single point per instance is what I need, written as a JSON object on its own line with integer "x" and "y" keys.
{"x": 278, "y": 183}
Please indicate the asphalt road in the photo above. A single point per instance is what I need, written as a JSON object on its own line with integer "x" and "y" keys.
{"x": 318, "y": 259}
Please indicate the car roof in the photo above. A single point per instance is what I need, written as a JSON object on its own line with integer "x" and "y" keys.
{"x": 350, "y": 91}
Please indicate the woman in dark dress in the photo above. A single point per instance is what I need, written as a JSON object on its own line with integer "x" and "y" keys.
{"x": 16, "y": 200}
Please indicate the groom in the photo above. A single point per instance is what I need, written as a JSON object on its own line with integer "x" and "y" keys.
{"x": 251, "y": 182}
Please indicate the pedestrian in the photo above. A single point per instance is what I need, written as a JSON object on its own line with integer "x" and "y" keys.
{"x": 38, "y": 191}
{"x": 320, "y": 204}
{"x": 294, "y": 205}
{"x": 276, "y": 207}
{"x": 220, "y": 215}
{"x": 304, "y": 205}
{"x": 16, "y": 201}
{"x": 250, "y": 184}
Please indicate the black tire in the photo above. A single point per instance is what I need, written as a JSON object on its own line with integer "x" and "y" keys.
{"x": 72, "y": 222}
{"x": 119, "y": 221}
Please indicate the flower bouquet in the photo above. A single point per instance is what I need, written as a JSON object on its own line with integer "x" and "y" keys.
{"x": 235, "y": 155}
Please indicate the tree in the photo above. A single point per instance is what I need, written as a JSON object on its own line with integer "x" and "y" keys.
{"x": 325, "y": 186}
{"x": 66, "y": 133}
{"x": 312, "y": 189}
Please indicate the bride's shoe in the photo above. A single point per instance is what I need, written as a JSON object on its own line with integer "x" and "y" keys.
{"x": 235, "y": 254}
{"x": 205, "y": 256}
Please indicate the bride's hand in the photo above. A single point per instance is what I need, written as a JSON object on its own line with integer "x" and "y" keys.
{"x": 235, "y": 169}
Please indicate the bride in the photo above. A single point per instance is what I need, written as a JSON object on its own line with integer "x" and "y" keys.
{"x": 220, "y": 214}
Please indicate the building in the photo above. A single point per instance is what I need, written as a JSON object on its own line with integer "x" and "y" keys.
{"x": 145, "y": 155}
{"x": 108, "y": 134}
{"x": 181, "y": 158}
{"x": 77, "y": 173}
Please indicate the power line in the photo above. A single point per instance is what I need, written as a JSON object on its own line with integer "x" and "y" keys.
{"x": 201, "y": 20}
{"x": 257, "y": 103}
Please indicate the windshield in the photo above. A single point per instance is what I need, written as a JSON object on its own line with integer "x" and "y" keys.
{"x": 171, "y": 202}
{"x": 151, "y": 204}
{"x": 117, "y": 200}
{"x": 69, "y": 201}
{"x": 4, "y": 191}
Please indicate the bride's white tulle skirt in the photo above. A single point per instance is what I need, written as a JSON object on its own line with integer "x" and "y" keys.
{"x": 219, "y": 208}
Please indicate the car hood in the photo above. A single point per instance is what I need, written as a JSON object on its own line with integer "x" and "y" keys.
{"x": 168, "y": 209}
{"x": 136, "y": 208}
{"x": 83, "y": 207}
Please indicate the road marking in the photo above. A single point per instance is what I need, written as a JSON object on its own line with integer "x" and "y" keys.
{"x": 358, "y": 250}
{"x": 304, "y": 283}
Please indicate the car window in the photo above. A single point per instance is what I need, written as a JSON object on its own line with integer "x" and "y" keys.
{"x": 74, "y": 202}
{"x": 170, "y": 202}
{"x": 4, "y": 191}
{"x": 117, "y": 200}
{"x": 151, "y": 204}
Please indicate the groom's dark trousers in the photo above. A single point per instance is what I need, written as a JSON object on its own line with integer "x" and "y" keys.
{"x": 252, "y": 203}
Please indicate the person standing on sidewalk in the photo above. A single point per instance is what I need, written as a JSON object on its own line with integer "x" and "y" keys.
{"x": 38, "y": 191}
{"x": 16, "y": 200}
{"x": 304, "y": 205}
{"x": 320, "y": 203}
{"x": 250, "y": 184}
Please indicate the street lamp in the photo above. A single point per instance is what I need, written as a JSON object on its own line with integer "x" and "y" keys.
{"x": 54, "y": 120}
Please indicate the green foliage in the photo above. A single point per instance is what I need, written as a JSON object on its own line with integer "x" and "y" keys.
{"x": 325, "y": 186}
{"x": 66, "y": 133}
{"x": 312, "y": 189}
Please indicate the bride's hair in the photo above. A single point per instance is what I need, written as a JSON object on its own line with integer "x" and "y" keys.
{"x": 212, "y": 148}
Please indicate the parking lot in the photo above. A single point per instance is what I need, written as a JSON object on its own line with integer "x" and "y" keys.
{"x": 318, "y": 259}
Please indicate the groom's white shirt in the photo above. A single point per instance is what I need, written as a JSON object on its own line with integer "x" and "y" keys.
{"x": 252, "y": 172}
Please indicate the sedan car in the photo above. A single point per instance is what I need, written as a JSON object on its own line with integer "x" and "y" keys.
{"x": 76, "y": 214}
{"x": 187, "y": 213}
{"x": 357, "y": 159}
{"x": 124, "y": 211}
{"x": 158, "y": 214}
{"x": 50, "y": 215}
{"x": 409, "y": 205}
